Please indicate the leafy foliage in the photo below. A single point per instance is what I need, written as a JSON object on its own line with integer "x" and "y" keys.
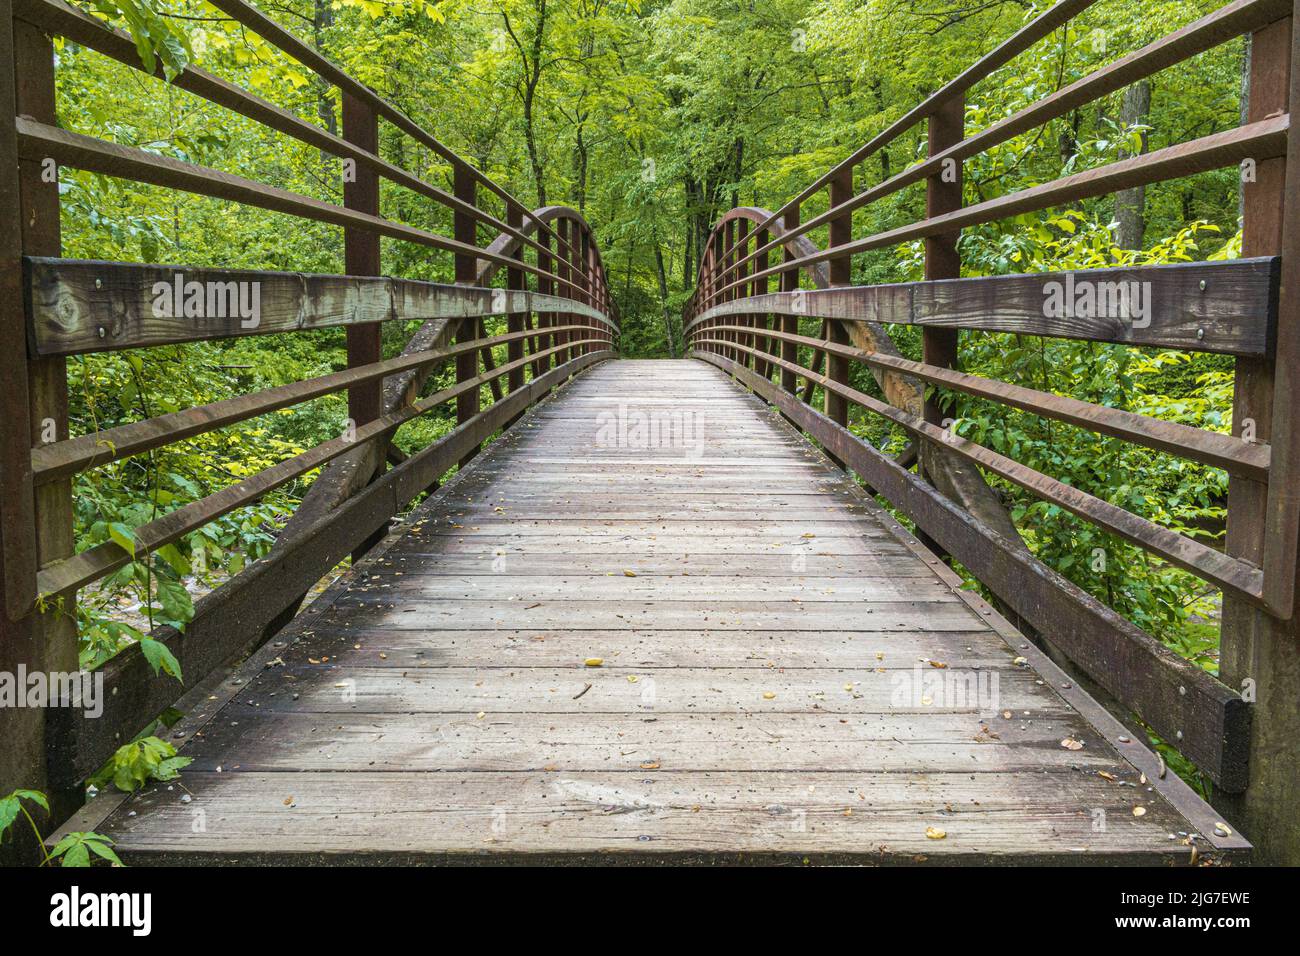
{"x": 142, "y": 760}
{"x": 73, "y": 850}
{"x": 76, "y": 849}
{"x": 11, "y": 806}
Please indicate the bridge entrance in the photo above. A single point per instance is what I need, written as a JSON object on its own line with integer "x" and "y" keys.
{"x": 611, "y": 641}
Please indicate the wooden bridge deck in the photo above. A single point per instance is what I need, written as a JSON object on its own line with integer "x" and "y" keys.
{"x": 786, "y": 675}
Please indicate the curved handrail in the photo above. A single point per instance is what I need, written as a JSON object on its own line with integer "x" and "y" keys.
{"x": 955, "y": 477}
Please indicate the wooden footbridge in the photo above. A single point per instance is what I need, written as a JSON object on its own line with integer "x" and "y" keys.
{"x": 650, "y": 611}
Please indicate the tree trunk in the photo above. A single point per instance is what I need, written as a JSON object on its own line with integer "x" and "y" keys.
{"x": 322, "y": 20}
{"x": 580, "y": 163}
{"x": 663, "y": 297}
{"x": 532, "y": 70}
{"x": 1242, "y": 120}
{"x": 1130, "y": 204}
{"x": 688, "y": 265}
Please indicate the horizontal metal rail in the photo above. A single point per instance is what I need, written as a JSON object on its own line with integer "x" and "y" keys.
{"x": 1231, "y": 574}
{"x": 38, "y": 141}
{"x": 59, "y": 18}
{"x": 103, "y": 559}
{"x": 1216, "y": 449}
{"x": 279, "y": 37}
{"x": 1257, "y": 141}
{"x": 74, "y": 455}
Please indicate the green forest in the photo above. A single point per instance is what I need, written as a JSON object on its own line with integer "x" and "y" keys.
{"x": 652, "y": 118}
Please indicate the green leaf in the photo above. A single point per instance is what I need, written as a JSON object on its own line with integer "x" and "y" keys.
{"x": 176, "y": 602}
{"x": 172, "y": 555}
{"x": 11, "y": 806}
{"x": 160, "y": 658}
{"x": 93, "y": 840}
{"x": 9, "y": 810}
{"x": 77, "y": 856}
{"x": 171, "y": 768}
{"x": 123, "y": 535}
{"x": 75, "y": 849}
{"x": 134, "y": 764}
{"x": 35, "y": 796}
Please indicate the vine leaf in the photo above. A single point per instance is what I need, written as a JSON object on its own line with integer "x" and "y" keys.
{"x": 160, "y": 658}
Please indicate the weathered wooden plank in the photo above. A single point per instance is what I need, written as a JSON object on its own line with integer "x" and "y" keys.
{"x": 881, "y": 563}
{"x": 775, "y": 530}
{"x": 640, "y": 650}
{"x": 792, "y": 817}
{"x": 618, "y": 587}
{"x": 1227, "y": 307}
{"x": 611, "y": 486}
{"x": 80, "y": 306}
{"x": 1206, "y": 720}
{"x": 573, "y": 743}
{"x": 324, "y": 688}
{"x": 399, "y": 612}
{"x": 691, "y": 510}
{"x": 616, "y": 542}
